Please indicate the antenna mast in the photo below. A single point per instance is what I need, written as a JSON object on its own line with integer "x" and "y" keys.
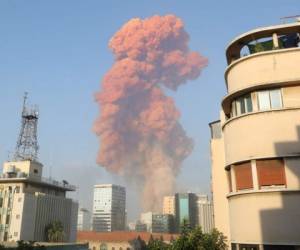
{"x": 27, "y": 144}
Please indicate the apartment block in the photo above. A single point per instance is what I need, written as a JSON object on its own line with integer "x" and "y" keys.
{"x": 255, "y": 145}
{"x": 30, "y": 202}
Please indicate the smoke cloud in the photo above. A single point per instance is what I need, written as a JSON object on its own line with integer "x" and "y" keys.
{"x": 138, "y": 126}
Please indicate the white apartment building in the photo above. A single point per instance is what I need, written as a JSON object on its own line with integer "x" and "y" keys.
{"x": 29, "y": 203}
{"x": 84, "y": 220}
{"x": 109, "y": 208}
{"x": 205, "y": 218}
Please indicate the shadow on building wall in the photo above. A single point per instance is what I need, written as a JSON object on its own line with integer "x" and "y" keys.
{"x": 281, "y": 224}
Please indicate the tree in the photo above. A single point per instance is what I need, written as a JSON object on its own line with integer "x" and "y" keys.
{"x": 156, "y": 244}
{"x": 55, "y": 232}
{"x": 214, "y": 241}
{"x": 195, "y": 239}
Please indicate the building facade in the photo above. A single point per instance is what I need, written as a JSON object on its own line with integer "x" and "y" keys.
{"x": 157, "y": 223}
{"x": 169, "y": 205}
{"x": 109, "y": 208}
{"x": 121, "y": 240}
{"x": 205, "y": 218}
{"x": 185, "y": 209}
{"x": 260, "y": 136}
{"x": 84, "y": 220}
{"x": 29, "y": 203}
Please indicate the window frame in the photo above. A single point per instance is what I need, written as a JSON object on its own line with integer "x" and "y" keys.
{"x": 239, "y": 105}
{"x": 271, "y": 106}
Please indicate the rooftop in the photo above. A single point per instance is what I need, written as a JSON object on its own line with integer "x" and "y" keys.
{"x": 121, "y": 236}
{"x": 43, "y": 182}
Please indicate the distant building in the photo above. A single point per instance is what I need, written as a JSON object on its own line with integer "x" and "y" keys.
{"x": 84, "y": 220}
{"x": 169, "y": 205}
{"x": 205, "y": 217}
{"x": 185, "y": 209}
{"x": 109, "y": 208}
{"x": 157, "y": 223}
{"x": 30, "y": 202}
{"x": 121, "y": 240}
{"x": 140, "y": 226}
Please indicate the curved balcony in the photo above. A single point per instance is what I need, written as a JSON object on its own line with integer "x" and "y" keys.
{"x": 265, "y": 217}
{"x": 263, "y": 134}
{"x": 263, "y": 68}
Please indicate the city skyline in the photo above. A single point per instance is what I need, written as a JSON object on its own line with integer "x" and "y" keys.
{"x": 61, "y": 61}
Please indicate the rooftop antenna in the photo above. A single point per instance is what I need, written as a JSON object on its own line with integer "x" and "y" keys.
{"x": 286, "y": 18}
{"x": 27, "y": 144}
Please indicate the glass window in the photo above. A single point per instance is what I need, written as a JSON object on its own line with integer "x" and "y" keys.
{"x": 241, "y": 105}
{"x": 248, "y": 103}
{"x": 269, "y": 99}
{"x": 264, "y": 100}
{"x": 275, "y": 96}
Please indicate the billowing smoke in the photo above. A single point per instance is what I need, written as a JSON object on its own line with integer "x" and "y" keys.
{"x": 138, "y": 127}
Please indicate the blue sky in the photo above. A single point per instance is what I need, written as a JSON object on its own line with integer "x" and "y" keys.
{"x": 57, "y": 51}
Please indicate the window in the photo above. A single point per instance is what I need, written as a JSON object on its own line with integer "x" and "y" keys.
{"x": 241, "y": 105}
{"x": 269, "y": 99}
{"x": 17, "y": 216}
{"x": 35, "y": 171}
{"x": 243, "y": 176}
{"x": 103, "y": 246}
{"x": 248, "y": 247}
{"x": 7, "y": 219}
{"x": 270, "y": 172}
{"x": 15, "y": 234}
{"x": 19, "y": 199}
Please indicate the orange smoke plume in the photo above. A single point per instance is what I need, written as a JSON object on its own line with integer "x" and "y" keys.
{"x": 138, "y": 125}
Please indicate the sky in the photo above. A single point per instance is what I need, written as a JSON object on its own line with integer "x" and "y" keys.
{"x": 58, "y": 52}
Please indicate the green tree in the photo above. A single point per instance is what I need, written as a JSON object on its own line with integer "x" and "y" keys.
{"x": 155, "y": 244}
{"x": 55, "y": 232}
{"x": 195, "y": 239}
{"x": 214, "y": 241}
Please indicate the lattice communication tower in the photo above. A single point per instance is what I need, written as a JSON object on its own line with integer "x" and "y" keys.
{"x": 27, "y": 144}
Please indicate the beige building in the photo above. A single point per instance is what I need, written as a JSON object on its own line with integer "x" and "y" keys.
{"x": 169, "y": 205}
{"x": 256, "y": 145}
{"x": 121, "y": 240}
{"x": 29, "y": 203}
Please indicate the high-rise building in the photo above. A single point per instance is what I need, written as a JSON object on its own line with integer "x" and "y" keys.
{"x": 205, "y": 218}
{"x": 185, "y": 209}
{"x": 157, "y": 223}
{"x": 109, "y": 208}
{"x": 255, "y": 146}
{"x": 29, "y": 203}
{"x": 84, "y": 220}
{"x": 169, "y": 205}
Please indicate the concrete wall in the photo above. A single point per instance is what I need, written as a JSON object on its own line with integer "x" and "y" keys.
{"x": 263, "y": 134}
{"x": 219, "y": 187}
{"x": 269, "y": 217}
{"x": 265, "y": 67}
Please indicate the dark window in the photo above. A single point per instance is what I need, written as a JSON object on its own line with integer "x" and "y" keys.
{"x": 278, "y": 247}
{"x": 35, "y": 171}
{"x": 233, "y": 246}
{"x": 249, "y": 247}
{"x": 5, "y": 236}
{"x": 7, "y": 219}
{"x": 270, "y": 172}
{"x": 243, "y": 176}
